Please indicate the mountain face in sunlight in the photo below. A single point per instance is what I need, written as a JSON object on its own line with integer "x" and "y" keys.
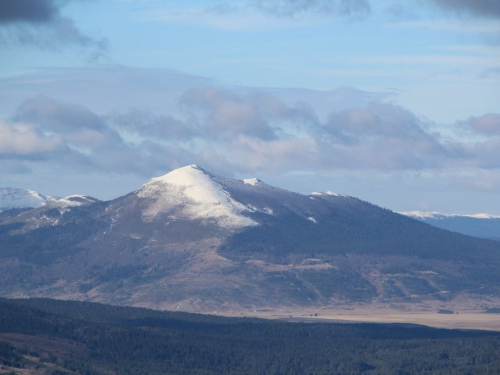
{"x": 192, "y": 240}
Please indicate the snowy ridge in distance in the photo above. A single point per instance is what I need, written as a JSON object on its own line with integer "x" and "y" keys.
{"x": 437, "y": 215}
{"x": 22, "y": 198}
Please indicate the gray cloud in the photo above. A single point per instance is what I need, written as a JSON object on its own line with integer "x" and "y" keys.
{"x": 28, "y": 11}
{"x": 487, "y": 124}
{"x": 385, "y": 136}
{"x": 482, "y": 8}
{"x": 147, "y": 124}
{"x": 378, "y": 136}
{"x": 489, "y": 72}
{"x": 40, "y": 23}
{"x": 73, "y": 137}
{"x": 79, "y": 126}
{"x": 158, "y": 90}
{"x": 296, "y": 8}
{"x": 155, "y": 90}
{"x": 273, "y": 108}
{"x": 376, "y": 121}
{"x": 482, "y": 180}
{"x": 227, "y": 131}
{"x": 224, "y": 114}
{"x": 57, "y": 116}
{"x": 22, "y": 141}
{"x": 13, "y": 167}
{"x": 292, "y": 8}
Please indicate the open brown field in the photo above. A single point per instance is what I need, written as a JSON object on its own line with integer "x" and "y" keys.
{"x": 458, "y": 320}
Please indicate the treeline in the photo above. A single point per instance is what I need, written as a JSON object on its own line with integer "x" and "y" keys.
{"x": 100, "y": 339}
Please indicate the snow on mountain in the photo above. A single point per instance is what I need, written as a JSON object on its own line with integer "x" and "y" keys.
{"x": 193, "y": 193}
{"x": 477, "y": 225}
{"x": 21, "y": 198}
{"x": 437, "y": 215}
{"x": 52, "y": 212}
{"x": 193, "y": 239}
{"x": 331, "y": 193}
{"x": 65, "y": 204}
{"x": 252, "y": 181}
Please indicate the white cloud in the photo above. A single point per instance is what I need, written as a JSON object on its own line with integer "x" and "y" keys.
{"x": 20, "y": 140}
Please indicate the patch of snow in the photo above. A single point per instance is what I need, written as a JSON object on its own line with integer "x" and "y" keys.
{"x": 268, "y": 211}
{"x": 437, "y": 215}
{"x": 191, "y": 193}
{"x": 252, "y": 181}
{"x": 65, "y": 204}
{"x": 252, "y": 208}
{"x": 75, "y": 200}
{"x": 326, "y": 193}
{"x": 482, "y": 216}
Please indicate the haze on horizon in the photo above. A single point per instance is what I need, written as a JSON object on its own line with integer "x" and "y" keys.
{"x": 395, "y": 104}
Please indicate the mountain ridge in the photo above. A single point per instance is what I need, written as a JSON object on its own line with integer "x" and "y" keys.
{"x": 478, "y": 225}
{"x": 191, "y": 240}
{"x": 11, "y": 198}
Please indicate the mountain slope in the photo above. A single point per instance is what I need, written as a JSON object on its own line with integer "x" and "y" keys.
{"x": 479, "y": 225}
{"x": 192, "y": 240}
{"x": 51, "y": 213}
{"x": 11, "y": 213}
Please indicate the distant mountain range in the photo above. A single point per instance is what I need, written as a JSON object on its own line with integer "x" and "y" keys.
{"x": 477, "y": 225}
{"x": 21, "y": 198}
{"x": 191, "y": 240}
{"x": 14, "y": 201}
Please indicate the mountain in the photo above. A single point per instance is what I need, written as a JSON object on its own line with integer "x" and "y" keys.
{"x": 21, "y": 198}
{"x": 51, "y": 213}
{"x": 14, "y": 201}
{"x": 191, "y": 240}
{"x": 478, "y": 225}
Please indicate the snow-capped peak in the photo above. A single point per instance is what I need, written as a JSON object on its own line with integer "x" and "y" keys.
{"x": 192, "y": 193}
{"x": 437, "y": 215}
{"x": 21, "y": 198}
{"x": 188, "y": 175}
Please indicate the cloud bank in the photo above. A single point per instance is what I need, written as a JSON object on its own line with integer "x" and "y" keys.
{"x": 293, "y": 8}
{"x": 40, "y": 23}
{"x": 253, "y": 132}
{"x": 482, "y": 8}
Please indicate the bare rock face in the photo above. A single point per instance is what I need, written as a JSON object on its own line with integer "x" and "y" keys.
{"x": 191, "y": 240}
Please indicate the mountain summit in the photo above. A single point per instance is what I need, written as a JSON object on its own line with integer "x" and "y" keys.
{"x": 191, "y": 193}
{"x": 192, "y": 240}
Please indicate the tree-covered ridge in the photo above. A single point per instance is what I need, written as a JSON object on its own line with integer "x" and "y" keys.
{"x": 86, "y": 338}
{"x": 349, "y": 225}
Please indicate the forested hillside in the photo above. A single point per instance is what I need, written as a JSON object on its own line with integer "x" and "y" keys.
{"x": 57, "y": 337}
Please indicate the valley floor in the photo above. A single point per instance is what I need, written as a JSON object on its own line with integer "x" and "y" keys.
{"x": 44, "y": 336}
{"x": 458, "y": 320}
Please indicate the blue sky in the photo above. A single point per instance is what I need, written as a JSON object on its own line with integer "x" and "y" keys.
{"x": 396, "y": 104}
